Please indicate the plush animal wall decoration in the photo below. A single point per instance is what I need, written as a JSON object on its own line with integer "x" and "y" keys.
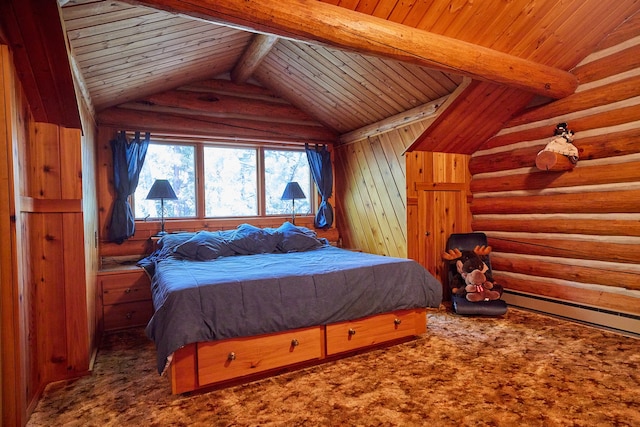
{"x": 473, "y": 279}
{"x": 559, "y": 153}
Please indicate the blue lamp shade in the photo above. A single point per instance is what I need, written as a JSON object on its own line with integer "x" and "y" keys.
{"x": 160, "y": 190}
{"x": 292, "y": 192}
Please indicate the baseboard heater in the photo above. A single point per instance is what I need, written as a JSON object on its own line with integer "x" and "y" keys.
{"x": 623, "y": 323}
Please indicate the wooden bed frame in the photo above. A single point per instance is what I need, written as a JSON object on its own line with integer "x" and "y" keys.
{"x": 217, "y": 363}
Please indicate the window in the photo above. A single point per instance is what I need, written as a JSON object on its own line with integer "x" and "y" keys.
{"x": 177, "y": 164}
{"x": 281, "y": 167}
{"x": 230, "y": 182}
{"x": 236, "y": 181}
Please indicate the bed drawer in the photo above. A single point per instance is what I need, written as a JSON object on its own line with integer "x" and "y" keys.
{"x": 119, "y": 316}
{"x": 237, "y": 357}
{"x": 368, "y": 331}
{"x": 125, "y": 287}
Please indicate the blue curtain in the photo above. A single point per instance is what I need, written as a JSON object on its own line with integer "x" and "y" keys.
{"x": 319, "y": 159}
{"x": 128, "y": 158}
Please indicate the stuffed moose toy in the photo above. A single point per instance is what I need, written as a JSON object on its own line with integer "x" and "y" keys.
{"x": 473, "y": 279}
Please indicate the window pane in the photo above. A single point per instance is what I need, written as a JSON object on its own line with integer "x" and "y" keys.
{"x": 280, "y": 168}
{"x": 175, "y": 163}
{"x": 230, "y": 182}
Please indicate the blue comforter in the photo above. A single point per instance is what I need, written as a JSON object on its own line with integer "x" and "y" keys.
{"x": 246, "y": 295}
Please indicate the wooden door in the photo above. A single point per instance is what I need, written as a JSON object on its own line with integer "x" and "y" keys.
{"x": 437, "y": 205}
{"x": 442, "y": 210}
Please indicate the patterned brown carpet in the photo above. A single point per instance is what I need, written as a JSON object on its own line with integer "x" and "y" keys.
{"x": 523, "y": 369}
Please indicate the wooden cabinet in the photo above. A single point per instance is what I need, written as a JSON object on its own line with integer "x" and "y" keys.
{"x": 125, "y": 297}
{"x": 361, "y": 333}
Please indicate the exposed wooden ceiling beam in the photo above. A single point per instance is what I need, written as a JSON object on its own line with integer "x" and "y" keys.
{"x": 38, "y": 42}
{"x": 260, "y": 46}
{"x": 319, "y": 22}
{"x": 419, "y": 113}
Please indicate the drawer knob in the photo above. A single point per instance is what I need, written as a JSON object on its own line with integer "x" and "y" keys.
{"x": 295, "y": 343}
{"x": 231, "y": 356}
{"x": 129, "y": 315}
{"x": 127, "y": 291}
{"x": 352, "y": 331}
{"x": 397, "y": 321}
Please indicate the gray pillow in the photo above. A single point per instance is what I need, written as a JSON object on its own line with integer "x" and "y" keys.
{"x": 171, "y": 240}
{"x": 248, "y": 239}
{"x": 204, "y": 246}
{"x": 297, "y": 239}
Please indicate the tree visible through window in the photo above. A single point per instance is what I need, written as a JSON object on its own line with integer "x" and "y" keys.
{"x": 177, "y": 164}
{"x": 230, "y": 182}
{"x": 281, "y": 167}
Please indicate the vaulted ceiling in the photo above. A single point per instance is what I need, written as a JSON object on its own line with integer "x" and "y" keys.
{"x": 345, "y": 63}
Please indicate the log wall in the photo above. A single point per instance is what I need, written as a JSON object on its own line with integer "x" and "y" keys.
{"x": 217, "y": 110}
{"x": 571, "y": 235}
{"x": 140, "y": 243}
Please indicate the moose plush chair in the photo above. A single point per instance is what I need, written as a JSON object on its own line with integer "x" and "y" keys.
{"x": 460, "y": 304}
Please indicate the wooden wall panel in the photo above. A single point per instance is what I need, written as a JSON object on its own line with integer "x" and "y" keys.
{"x": 52, "y": 208}
{"x": 14, "y": 117}
{"x": 371, "y": 191}
{"x": 379, "y": 199}
{"x": 88, "y": 150}
{"x": 571, "y": 235}
{"x": 44, "y": 318}
{"x": 48, "y": 297}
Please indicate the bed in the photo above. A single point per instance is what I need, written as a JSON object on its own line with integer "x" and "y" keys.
{"x": 237, "y": 303}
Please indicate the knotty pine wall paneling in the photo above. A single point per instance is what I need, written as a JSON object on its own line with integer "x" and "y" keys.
{"x": 401, "y": 204}
{"x": 378, "y": 197}
{"x": 44, "y": 320}
{"x": 14, "y": 119}
{"x": 90, "y": 220}
{"x": 575, "y": 235}
{"x": 52, "y": 211}
{"x": 371, "y": 192}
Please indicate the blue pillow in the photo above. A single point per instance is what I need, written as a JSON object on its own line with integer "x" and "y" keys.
{"x": 297, "y": 239}
{"x": 248, "y": 239}
{"x": 204, "y": 246}
{"x": 171, "y": 240}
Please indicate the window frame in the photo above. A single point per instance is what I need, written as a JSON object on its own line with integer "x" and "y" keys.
{"x": 199, "y": 146}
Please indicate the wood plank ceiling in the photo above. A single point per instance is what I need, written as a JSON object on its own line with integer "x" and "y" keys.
{"x": 125, "y": 51}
